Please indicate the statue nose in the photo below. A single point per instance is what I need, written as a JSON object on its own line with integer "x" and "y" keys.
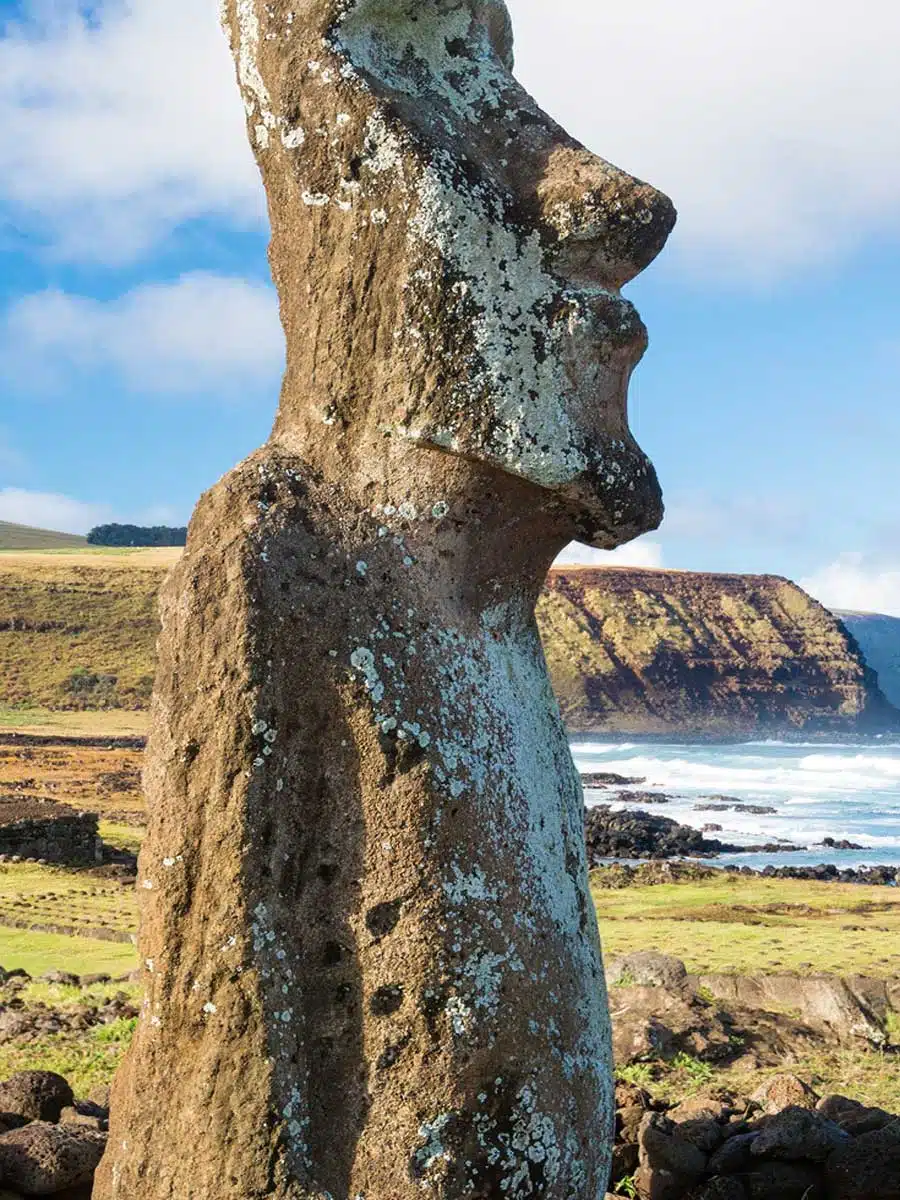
{"x": 609, "y": 226}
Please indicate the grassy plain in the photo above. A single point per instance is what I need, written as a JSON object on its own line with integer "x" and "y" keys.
{"x": 77, "y": 635}
{"x": 52, "y": 910}
{"x": 114, "y": 722}
{"x": 748, "y": 925}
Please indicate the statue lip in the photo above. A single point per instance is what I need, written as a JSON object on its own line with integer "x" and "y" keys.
{"x": 616, "y": 321}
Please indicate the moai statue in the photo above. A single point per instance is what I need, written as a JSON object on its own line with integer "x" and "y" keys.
{"x": 371, "y": 961}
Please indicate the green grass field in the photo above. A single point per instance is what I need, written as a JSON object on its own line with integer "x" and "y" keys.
{"x": 757, "y": 925}
{"x": 109, "y": 722}
{"x": 50, "y": 899}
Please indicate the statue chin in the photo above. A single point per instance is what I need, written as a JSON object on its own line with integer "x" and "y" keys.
{"x": 615, "y": 501}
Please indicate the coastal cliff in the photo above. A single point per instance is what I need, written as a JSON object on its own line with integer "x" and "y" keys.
{"x": 669, "y": 652}
{"x": 879, "y": 639}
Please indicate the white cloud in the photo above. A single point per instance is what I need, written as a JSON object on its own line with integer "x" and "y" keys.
{"x": 47, "y": 510}
{"x": 203, "y": 332}
{"x": 640, "y": 553}
{"x": 774, "y": 126}
{"x": 112, "y": 133}
{"x": 857, "y": 583}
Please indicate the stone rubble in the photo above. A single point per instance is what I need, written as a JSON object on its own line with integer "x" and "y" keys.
{"x": 50, "y": 1144}
{"x": 729, "y": 1147}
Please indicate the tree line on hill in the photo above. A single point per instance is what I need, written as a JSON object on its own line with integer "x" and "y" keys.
{"x": 137, "y": 535}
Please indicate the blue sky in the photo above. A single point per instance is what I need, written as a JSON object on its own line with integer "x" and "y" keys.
{"x": 140, "y": 355}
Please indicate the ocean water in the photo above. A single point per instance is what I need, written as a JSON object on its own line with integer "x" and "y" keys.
{"x": 846, "y": 791}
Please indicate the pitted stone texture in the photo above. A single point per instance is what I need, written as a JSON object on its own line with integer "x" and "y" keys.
{"x": 371, "y": 960}
{"x": 784, "y": 1091}
{"x": 36, "y": 1095}
{"x": 798, "y": 1133}
{"x": 42, "y": 1159}
{"x": 867, "y": 1167}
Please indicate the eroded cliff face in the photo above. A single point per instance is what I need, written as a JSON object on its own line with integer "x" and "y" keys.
{"x": 646, "y": 651}
{"x": 879, "y": 638}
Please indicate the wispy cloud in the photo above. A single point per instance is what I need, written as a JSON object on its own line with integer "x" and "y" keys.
{"x": 47, "y": 510}
{"x": 117, "y": 126}
{"x": 757, "y": 516}
{"x": 202, "y": 333}
{"x": 857, "y": 583}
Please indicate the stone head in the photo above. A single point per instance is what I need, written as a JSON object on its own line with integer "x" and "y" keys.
{"x": 449, "y": 260}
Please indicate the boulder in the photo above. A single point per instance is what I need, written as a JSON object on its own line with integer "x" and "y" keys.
{"x": 61, "y": 978}
{"x": 852, "y": 1116}
{"x": 72, "y": 1116}
{"x": 628, "y": 1123}
{"x": 647, "y": 968}
{"x": 784, "y": 1091}
{"x": 798, "y": 1133}
{"x": 42, "y": 1159}
{"x": 603, "y": 779}
{"x": 720, "y": 1188}
{"x": 631, "y": 833}
{"x": 13, "y": 1024}
{"x": 866, "y": 1167}
{"x": 37, "y": 1095}
{"x": 652, "y": 1023}
{"x": 699, "y": 1108}
{"x": 670, "y": 1164}
{"x": 734, "y": 1156}
{"x": 628, "y": 1094}
{"x": 704, "y": 1133}
{"x": 783, "y": 1181}
{"x": 825, "y": 1001}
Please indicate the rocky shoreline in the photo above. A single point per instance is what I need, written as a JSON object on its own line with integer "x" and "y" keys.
{"x": 634, "y": 835}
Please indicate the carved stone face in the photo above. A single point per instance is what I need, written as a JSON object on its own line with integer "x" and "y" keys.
{"x": 449, "y": 260}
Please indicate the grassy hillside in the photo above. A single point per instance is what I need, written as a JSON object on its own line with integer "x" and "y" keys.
{"x": 77, "y": 630}
{"x": 24, "y": 537}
